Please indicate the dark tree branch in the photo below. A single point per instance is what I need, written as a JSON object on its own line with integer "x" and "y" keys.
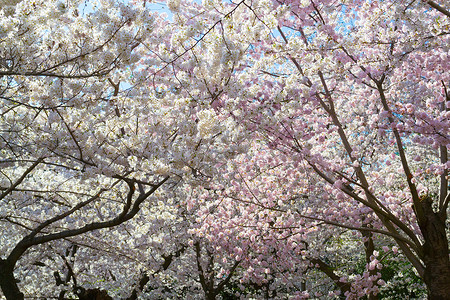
{"x": 439, "y": 8}
{"x": 128, "y": 212}
{"x": 21, "y": 179}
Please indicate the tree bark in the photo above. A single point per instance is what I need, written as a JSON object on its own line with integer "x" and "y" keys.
{"x": 344, "y": 287}
{"x": 435, "y": 251}
{"x": 8, "y": 283}
{"x": 369, "y": 247}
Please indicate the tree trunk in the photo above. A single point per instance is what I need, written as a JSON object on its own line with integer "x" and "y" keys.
{"x": 435, "y": 252}
{"x": 369, "y": 247}
{"x": 8, "y": 283}
{"x": 210, "y": 295}
{"x": 437, "y": 278}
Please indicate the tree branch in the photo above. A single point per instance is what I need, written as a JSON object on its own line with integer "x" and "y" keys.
{"x": 124, "y": 216}
{"x": 439, "y": 8}
{"x": 24, "y": 175}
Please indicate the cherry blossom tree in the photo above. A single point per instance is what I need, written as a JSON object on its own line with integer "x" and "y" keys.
{"x": 81, "y": 152}
{"x": 254, "y": 148}
{"x": 351, "y": 97}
